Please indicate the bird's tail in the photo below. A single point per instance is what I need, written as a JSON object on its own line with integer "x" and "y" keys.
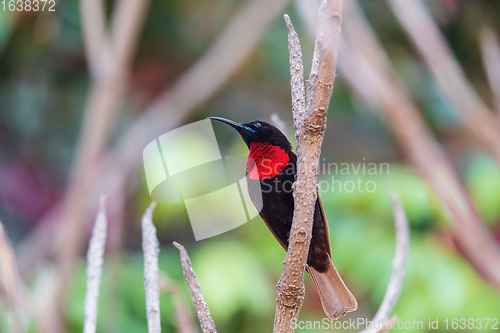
{"x": 336, "y": 299}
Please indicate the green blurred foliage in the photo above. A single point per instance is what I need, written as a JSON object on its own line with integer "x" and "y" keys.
{"x": 43, "y": 87}
{"x": 238, "y": 270}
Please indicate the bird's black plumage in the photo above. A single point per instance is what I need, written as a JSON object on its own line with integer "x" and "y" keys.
{"x": 277, "y": 213}
{"x": 278, "y": 207}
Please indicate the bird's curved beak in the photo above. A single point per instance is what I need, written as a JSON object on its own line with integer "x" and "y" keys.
{"x": 229, "y": 122}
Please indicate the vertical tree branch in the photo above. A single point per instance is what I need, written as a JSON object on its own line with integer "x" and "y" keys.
{"x": 95, "y": 255}
{"x": 151, "y": 249}
{"x": 290, "y": 289}
{"x": 296, "y": 79}
{"x": 206, "y": 321}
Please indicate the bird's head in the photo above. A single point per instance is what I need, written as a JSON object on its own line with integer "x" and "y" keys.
{"x": 257, "y": 131}
{"x": 270, "y": 150}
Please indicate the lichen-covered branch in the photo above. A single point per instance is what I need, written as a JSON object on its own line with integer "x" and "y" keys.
{"x": 398, "y": 269}
{"x": 151, "y": 249}
{"x": 95, "y": 255}
{"x": 206, "y": 321}
{"x": 296, "y": 78}
{"x": 290, "y": 288}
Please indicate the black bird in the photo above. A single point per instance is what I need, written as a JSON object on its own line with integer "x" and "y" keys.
{"x": 272, "y": 162}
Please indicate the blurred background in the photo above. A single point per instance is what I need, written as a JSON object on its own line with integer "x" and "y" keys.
{"x": 80, "y": 99}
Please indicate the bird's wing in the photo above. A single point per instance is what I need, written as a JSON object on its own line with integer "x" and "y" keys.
{"x": 325, "y": 225}
{"x": 285, "y": 246}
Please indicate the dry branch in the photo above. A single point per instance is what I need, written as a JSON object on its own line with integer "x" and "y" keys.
{"x": 403, "y": 117}
{"x": 206, "y": 321}
{"x": 490, "y": 51}
{"x": 95, "y": 256}
{"x": 381, "y": 318}
{"x": 309, "y": 131}
{"x": 296, "y": 78}
{"x": 151, "y": 249}
{"x": 430, "y": 43}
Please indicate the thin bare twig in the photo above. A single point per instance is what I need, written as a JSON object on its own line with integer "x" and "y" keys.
{"x": 183, "y": 318}
{"x": 206, "y": 321}
{"x": 95, "y": 256}
{"x": 309, "y": 131}
{"x": 278, "y": 122}
{"x": 10, "y": 280}
{"x": 150, "y": 249}
{"x": 381, "y": 319}
{"x": 403, "y": 117}
{"x": 296, "y": 78}
{"x": 490, "y": 51}
{"x": 430, "y": 43}
{"x": 115, "y": 212}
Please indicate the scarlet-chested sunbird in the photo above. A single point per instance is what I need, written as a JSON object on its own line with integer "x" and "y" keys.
{"x": 272, "y": 162}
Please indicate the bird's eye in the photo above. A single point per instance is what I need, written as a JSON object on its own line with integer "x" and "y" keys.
{"x": 257, "y": 124}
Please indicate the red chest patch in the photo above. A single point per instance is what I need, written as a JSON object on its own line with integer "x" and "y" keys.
{"x": 269, "y": 159}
